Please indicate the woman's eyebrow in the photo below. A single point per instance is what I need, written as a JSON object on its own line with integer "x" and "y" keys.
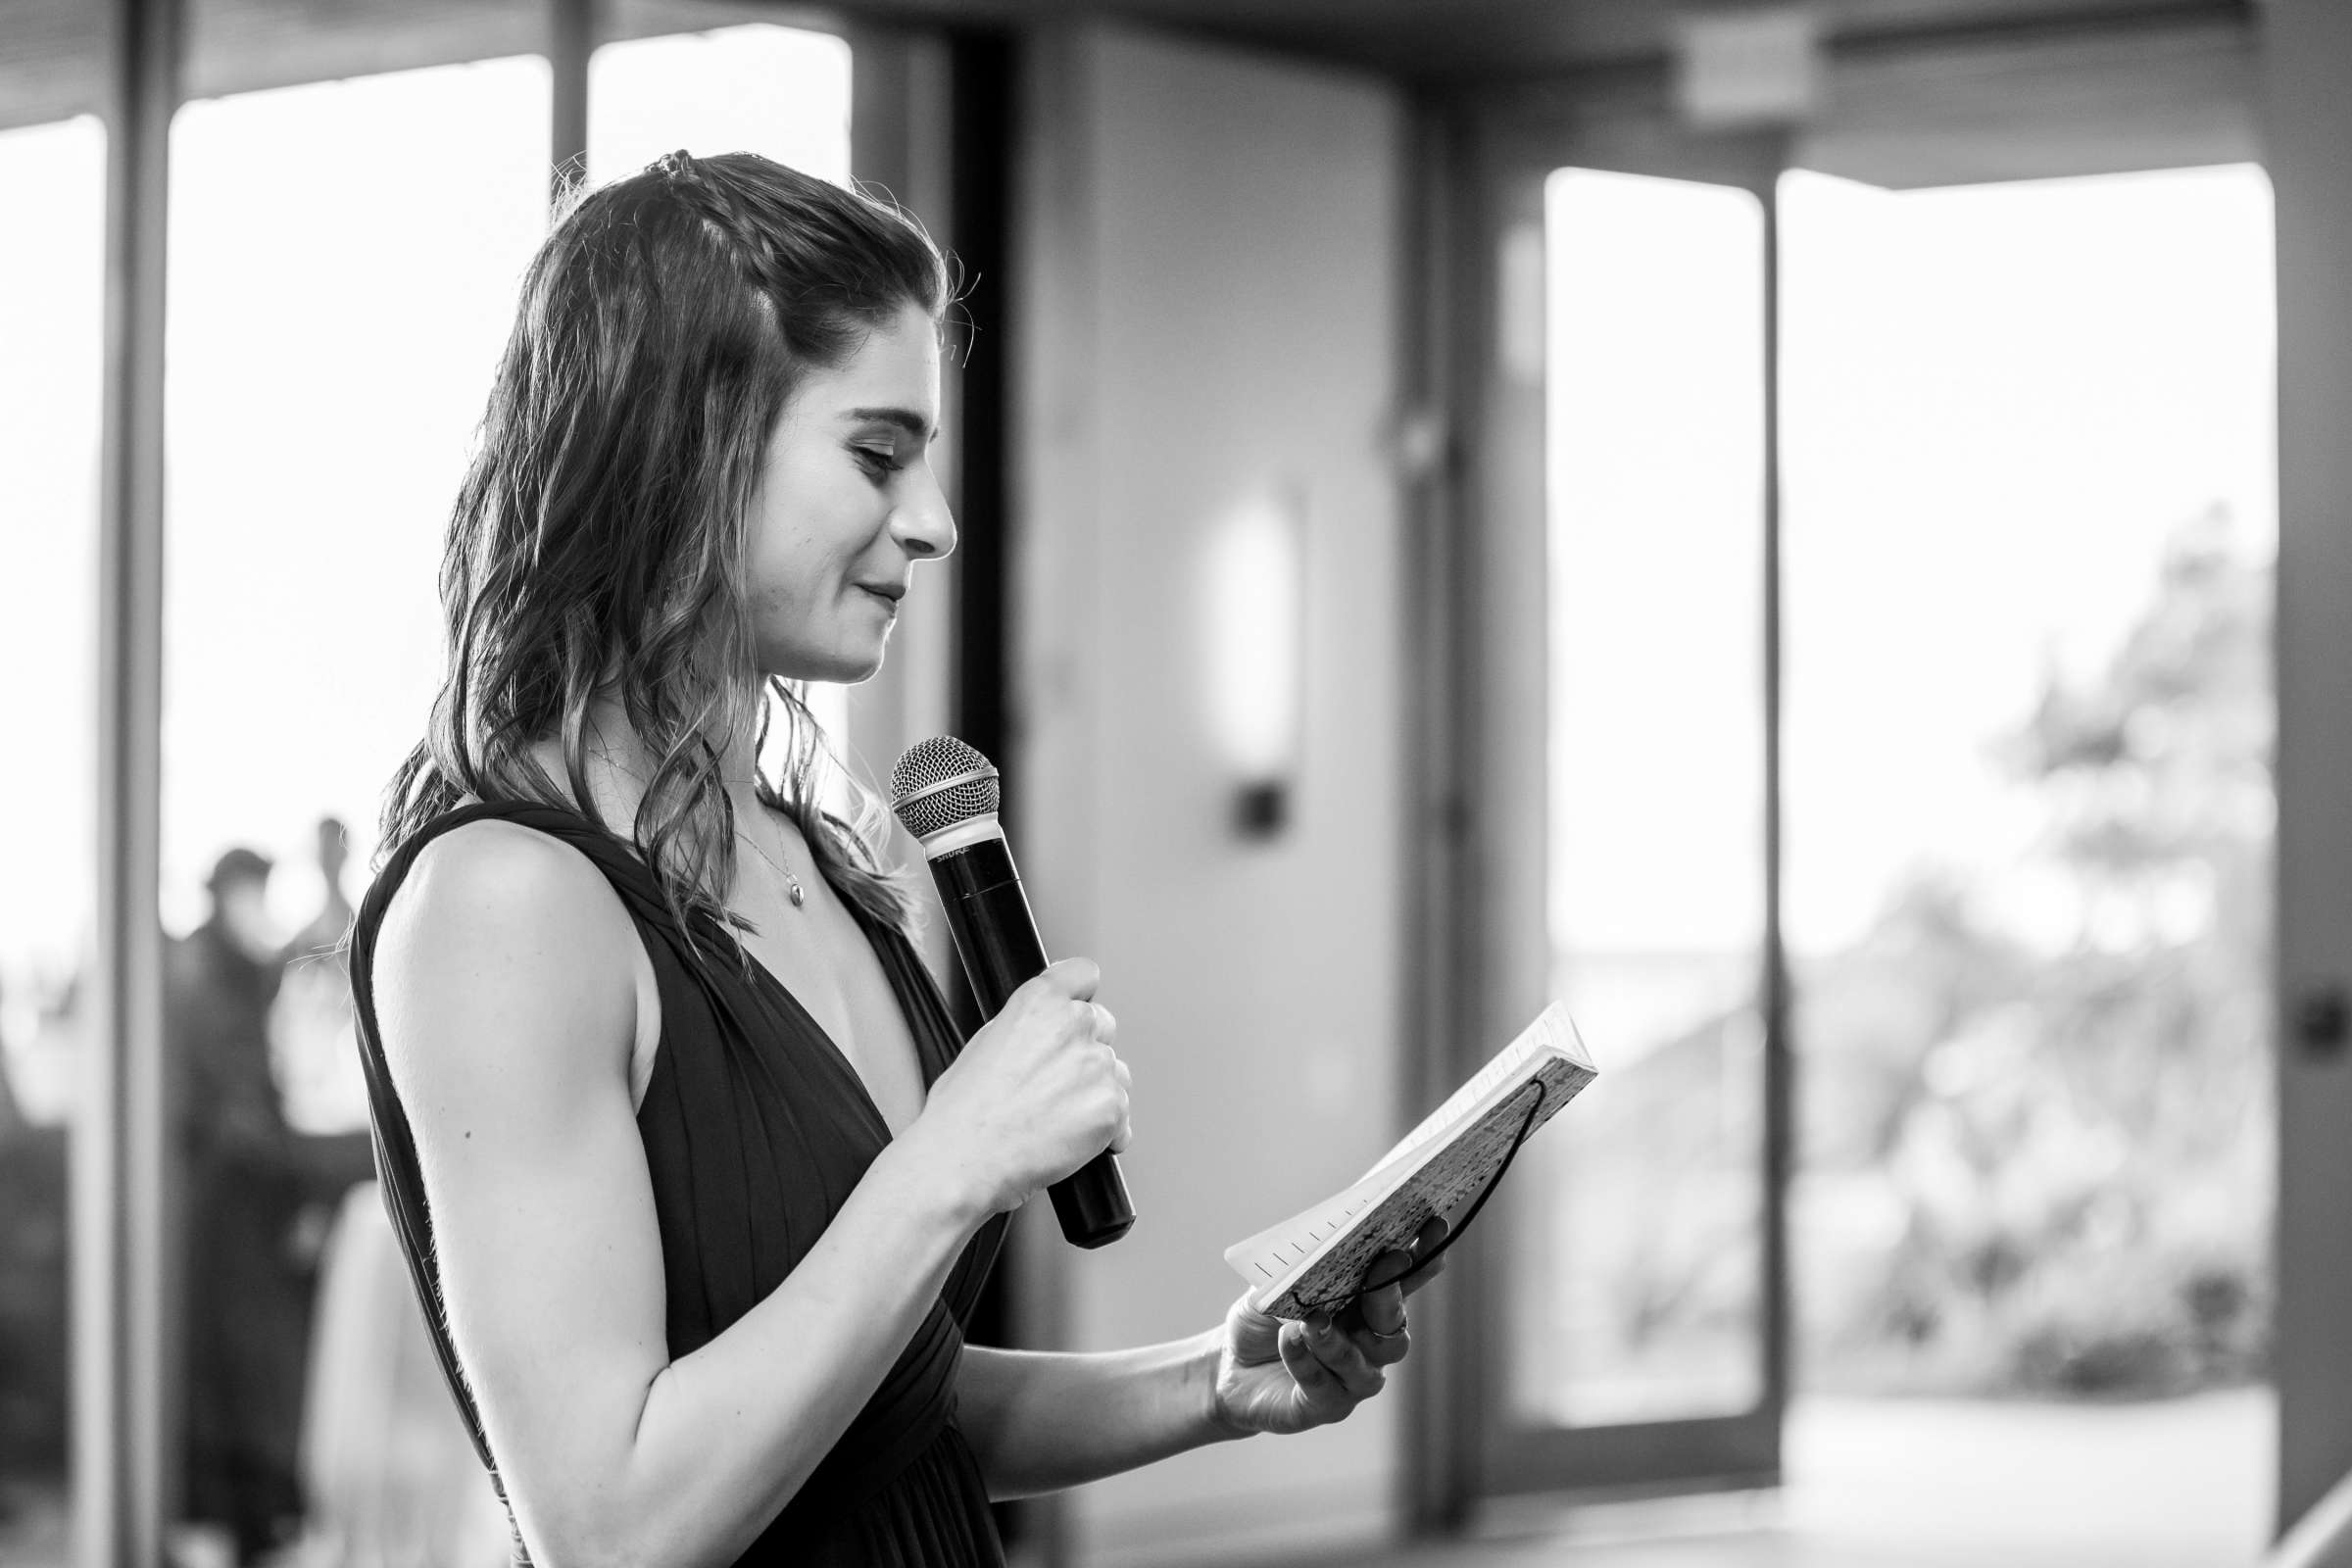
{"x": 906, "y": 420}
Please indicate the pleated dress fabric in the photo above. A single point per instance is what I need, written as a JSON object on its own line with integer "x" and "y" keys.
{"x": 755, "y": 1130}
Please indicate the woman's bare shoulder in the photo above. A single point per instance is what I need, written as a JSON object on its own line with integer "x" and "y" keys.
{"x": 499, "y": 928}
{"x": 498, "y": 880}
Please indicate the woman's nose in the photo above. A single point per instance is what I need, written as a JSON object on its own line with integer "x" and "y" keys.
{"x": 924, "y": 527}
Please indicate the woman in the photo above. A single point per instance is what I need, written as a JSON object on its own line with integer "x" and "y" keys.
{"x": 694, "y": 1178}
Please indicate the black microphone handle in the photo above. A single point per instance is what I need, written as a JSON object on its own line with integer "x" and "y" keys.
{"x": 996, "y": 936}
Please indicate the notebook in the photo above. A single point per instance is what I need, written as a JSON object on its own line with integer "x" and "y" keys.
{"x": 1316, "y": 1260}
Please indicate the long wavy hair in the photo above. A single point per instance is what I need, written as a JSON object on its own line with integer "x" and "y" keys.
{"x": 599, "y": 542}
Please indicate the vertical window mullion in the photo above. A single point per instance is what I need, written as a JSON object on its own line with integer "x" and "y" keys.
{"x": 571, "y": 39}
{"x": 120, "y": 1444}
{"x": 1779, "y": 1057}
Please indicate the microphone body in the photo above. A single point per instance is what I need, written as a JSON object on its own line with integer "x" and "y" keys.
{"x": 996, "y": 936}
{"x": 946, "y": 795}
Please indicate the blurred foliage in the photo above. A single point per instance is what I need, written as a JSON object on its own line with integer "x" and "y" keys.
{"x": 2036, "y": 1129}
{"x": 2035, "y": 1136}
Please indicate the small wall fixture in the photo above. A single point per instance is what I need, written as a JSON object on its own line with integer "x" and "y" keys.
{"x": 1256, "y": 590}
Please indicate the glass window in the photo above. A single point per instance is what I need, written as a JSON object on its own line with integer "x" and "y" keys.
{"x": 51, "y": 315}
{"x": 2032, "y": 524}
{"x": 344, "y": 260}
{"x": 1637, "y": 1294}
{"x": 783, "y": 92}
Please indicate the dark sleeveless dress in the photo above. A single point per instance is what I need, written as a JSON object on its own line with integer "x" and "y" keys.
{"x": 755, "y": 1130}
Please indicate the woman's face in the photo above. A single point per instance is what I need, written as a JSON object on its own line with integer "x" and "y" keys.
{"x": 847, "y": 505}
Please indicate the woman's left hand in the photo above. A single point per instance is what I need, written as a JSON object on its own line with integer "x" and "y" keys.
{"x": 1274, "y": 1376}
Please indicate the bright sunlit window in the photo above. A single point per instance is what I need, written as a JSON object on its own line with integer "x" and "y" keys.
{"x": 344, "y": 262}
{"x": 51, "y": 334}
{"x": 1637, "y": 1288}
{"x": 2029, "y": 541}
{"x": 2000, "y": 401}
{"x": 782, "y": 92}
{"x": 50, "y": 361}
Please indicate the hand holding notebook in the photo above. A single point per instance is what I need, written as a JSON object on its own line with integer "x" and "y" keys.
{"x": 1315, "y": 1260}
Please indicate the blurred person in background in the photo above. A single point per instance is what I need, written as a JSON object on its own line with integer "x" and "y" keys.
{"x": 248, "y": 1285}
{"x": 711, "y": 1182}
{"x": 312, "y": 1057}
{"x": 312, "y": 1054}
{"x": 387, "y": 1474}
{"x": 321, "y": 935}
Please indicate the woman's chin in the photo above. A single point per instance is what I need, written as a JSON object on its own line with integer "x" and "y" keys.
{"x": 835, "y": 670}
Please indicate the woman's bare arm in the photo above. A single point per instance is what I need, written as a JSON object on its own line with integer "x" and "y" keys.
{"x": 1042, "y": 1420}
{"x": 506, "y": 1004}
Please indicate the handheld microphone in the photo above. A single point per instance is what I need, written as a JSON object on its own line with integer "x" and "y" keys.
{"x": 946, "y": 795}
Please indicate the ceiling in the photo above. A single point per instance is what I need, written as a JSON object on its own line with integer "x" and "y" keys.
{"x": 51, "y": 50}
{"x": 1458, "y": 39}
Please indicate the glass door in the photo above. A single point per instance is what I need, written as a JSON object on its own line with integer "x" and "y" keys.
{"x": 1634, "y": 1296}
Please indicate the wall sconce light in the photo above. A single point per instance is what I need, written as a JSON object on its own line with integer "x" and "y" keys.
{"x": 1256, "y": 580}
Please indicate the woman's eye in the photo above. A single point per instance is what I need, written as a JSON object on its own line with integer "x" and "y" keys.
{"x": 875, "y": 462}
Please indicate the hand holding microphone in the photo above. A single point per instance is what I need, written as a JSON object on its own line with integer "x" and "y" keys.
{"x": 1042, "y": 1073}
{"x": 1038, "y": 1092}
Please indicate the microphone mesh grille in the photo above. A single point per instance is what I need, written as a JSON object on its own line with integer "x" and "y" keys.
{"x": 927, "y": 764}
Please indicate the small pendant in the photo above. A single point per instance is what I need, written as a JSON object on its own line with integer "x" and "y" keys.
{"x": 797, "y": 895}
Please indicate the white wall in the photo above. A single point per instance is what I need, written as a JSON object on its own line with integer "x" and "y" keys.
{"x": 1209, "y": 293}
{"x": 2308, "y": 74}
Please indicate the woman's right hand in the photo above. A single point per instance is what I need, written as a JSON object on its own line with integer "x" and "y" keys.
{"x": 1036, "y": 1094}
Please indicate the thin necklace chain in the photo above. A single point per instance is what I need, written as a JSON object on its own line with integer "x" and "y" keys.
{"x": 792, "y": 881}
{"x": 797, "y": 893}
